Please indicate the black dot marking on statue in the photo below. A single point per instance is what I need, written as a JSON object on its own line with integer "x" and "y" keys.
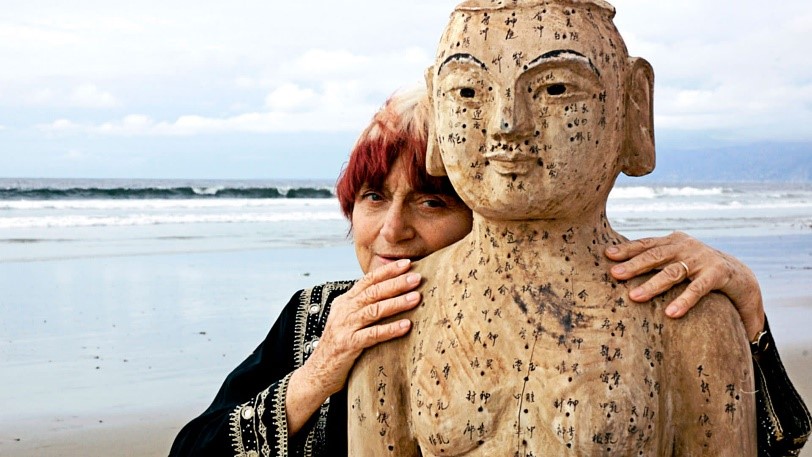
{"x": 487, "y": 162}
{"x": 513, "y": 176}
{"x": 467, "y": 92}
{"x": 482, "y": 373}
{"x": 569, "y": 445}
{"x": 382, "y": 401}
{"x": 490, "y": 89}
{"x": 484, "y": 132}
{"x": 540, "y": 162}
{"x": 506, "y": 125}
{"x": 526, "y": 378}
{"x": 480, "y": 442}
{"x": 464, "y": 126}
{"x": 567, "y": 414}
{"x": 480, "y": 409}
{"x": 391, "y": 448}
{"x": 569, "y": 380}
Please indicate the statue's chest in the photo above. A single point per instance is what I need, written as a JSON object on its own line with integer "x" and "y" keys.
{"x": 484, "y": 380}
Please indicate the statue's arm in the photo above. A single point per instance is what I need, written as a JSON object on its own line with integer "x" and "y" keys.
{"x": 714, "y": 395}
{"x": 378, "y": 409}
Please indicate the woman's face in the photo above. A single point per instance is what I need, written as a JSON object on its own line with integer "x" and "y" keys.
{"x": 398, "y": 222}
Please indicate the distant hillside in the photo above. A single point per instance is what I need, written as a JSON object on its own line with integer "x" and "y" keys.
{"x": 762, "y": 162}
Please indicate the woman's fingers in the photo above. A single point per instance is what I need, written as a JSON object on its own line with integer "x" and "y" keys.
{"x": 646, "y": 254}
{"x": 370, "y": 336}
{"x": 668, "y": 277}
{"x": 383, "y": 282}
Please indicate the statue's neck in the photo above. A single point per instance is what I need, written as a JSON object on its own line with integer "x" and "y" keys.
{"x": 545, "y": 245}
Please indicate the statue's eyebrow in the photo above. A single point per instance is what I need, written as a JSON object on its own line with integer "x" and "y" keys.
{"x": 563, "y": 54}
{"x": 462, "y": 57}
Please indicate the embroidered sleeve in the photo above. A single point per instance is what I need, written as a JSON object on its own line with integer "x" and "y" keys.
{"x": 259, "y": 427}
{"x": 783, "y": 419}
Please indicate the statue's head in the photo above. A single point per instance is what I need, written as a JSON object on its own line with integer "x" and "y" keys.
{"x": 537, "y": 107}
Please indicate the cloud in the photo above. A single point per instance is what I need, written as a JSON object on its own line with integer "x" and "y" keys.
{"x": 90, "y": 96}
{"x": 338, "y": 106}
{"x": 290, "y": 97}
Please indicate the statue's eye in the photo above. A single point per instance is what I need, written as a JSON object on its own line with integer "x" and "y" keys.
{"x": 467, "y": 92}
{"x": 556, "y": 89}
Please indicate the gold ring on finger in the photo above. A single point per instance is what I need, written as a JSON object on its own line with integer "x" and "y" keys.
{"x": 687, "y": 270}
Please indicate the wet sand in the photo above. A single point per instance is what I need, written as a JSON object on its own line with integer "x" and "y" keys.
{"x": 111, "y": 356}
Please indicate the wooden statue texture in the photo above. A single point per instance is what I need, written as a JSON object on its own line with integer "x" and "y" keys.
{"x": 523, "y": 345}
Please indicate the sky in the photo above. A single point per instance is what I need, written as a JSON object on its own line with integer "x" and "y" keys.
{"x": 254, "y": 89}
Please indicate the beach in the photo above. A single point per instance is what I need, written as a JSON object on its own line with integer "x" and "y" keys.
{"x": 114, "y": 335}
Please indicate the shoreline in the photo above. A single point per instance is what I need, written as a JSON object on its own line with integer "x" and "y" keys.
{"x": 150, "y": 434}
{"x": 112, "y": 356}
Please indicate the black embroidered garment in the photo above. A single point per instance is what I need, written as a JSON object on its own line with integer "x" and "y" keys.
{"x": 247, "y": 417}
{"x": 783, "y": 419}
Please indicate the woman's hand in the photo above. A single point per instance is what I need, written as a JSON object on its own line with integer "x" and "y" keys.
{"x": 351, "y": 327}
{"x": 680, "y": 257}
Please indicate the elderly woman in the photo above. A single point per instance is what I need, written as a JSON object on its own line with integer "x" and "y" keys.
{"x": 289, "y": 397}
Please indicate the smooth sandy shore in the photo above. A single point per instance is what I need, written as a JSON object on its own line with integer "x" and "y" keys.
{"x": 110, "y": 357}
{"x": 151, "y": 433}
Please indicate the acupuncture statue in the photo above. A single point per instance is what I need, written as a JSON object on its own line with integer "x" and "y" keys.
{"x": 523, "y": 345}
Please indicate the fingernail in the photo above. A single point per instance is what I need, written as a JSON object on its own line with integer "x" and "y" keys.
{"x": 413, "y": 278}
{"x": 404, "y": 324}
{"x": 671, "y": 310}
{"x": 403, "y": 262}
{"x": 612, "y": 250}
{"x": 636, "y": 293}
{"x": 412, "y": 296}
{"x": 619, "y": 269}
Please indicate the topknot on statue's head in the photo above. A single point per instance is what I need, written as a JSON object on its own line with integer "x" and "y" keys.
{"x": 484, "y": 5}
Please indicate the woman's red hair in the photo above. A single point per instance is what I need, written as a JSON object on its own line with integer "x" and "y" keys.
{"x": 398, "y": 130}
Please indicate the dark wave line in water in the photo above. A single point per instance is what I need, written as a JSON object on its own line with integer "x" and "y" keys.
{"x": 182, "y": 192}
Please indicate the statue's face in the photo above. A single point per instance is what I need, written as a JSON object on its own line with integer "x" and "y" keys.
{"x": 529, "y": 109}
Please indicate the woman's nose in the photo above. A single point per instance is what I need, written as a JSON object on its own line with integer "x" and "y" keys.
{"x": 397, "y": 226}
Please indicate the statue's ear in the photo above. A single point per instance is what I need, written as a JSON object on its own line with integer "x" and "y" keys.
{"x": 638, "y": 156}
{"x": 434, "y": 160}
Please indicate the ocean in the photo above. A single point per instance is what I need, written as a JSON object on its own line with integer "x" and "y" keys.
{"x": 124, "y": 300}
{"x": 67, "y": 218}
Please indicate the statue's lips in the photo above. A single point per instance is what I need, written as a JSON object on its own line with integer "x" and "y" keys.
{"x": 511, "y": 164}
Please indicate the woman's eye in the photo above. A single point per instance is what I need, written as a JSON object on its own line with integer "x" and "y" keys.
{"x": 467, "y": 92}
{"x": 556, "y": 89}
{"x": 434, "y": 203}
{"x": 372, "y": 196}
